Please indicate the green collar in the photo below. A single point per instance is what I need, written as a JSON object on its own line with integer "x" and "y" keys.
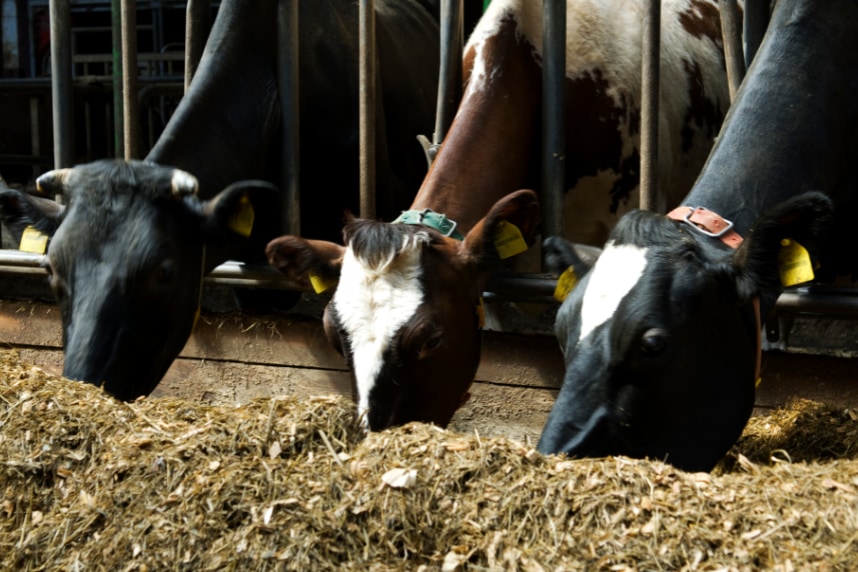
{"x": 430, "y": 218}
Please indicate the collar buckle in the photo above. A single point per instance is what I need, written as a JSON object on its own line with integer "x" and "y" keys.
{"x": 428, "y": 217}
{"x": 708, "y": 223}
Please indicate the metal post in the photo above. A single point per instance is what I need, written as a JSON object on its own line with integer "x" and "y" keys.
{"x": 732, "y": 38}
{"x": 197, "y": 18}
{"x": 367, "y": 108}
{"x": 61, "y": 81}
{"x": 756, "y": 22}
{"x": 553, "y": 116}
{"x": 129, "y": 78}
{"x": 288, "y": 83}
{"x": 118, "y": 114}
{"x": 450, "y": 78}
{"x": 649, "y": 105}
{"x": 36, "y": 136}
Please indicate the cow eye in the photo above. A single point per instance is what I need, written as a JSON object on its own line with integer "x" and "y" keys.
{"x": 654, "y": 341}
{"x": 432, "y": 343}
{"x": 165, "y": 273}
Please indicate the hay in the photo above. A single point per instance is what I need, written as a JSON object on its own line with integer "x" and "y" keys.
{"x": 89, "y": 483}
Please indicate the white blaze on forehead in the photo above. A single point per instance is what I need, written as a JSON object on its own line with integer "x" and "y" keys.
{"x": 373, "y": 303}
{"x": 616, "y": 272}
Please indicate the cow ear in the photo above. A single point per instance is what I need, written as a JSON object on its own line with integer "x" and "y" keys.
{"x": 560, "y": 254}
{"x": 309, "y": 263}
{"x": 19, "y": 210}
{"x": 510, "y": 226}
{"x": 805, "y": 219}
{"x": 237, "y": 210}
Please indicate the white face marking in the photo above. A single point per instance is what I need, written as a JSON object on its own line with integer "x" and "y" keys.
{"x": 373, "y": 303}
{"x": 616, "y": 272}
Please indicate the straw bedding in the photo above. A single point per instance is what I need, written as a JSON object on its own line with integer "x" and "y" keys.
{"x": 89, "y": 483}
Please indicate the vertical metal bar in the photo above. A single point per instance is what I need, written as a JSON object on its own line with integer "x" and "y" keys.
{"x": 366, "y": 64}
{"x": 553, "y": 116}
{"x": 288, "y": 83}
{"x": 129, "y": 78}
{"x": 733, "y": 53}
{"x": 87, "y": 130}
{"x": 35, "y": 135}
{"x": 197, "y": 18}
{"x": 756, "y": 22}
{"x": 450, "y": 76}
{"x": 118, "y": 114}
{"x": 649, "y": 105}
{"x": 61, "y": 81}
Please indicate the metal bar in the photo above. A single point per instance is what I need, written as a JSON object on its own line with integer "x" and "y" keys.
{"x": 366, "y": 64}
{"x": 118, "y": 114}
{"x": 450, "y": 76}
{"x": 553, "y": 116}
{"x": 649, "y": 105}
{"x": 198, "y": 15}
{"x": 839, "y": 301}
{"x": 129, "y": 79}
{"x": 35, "y": 134}
{"x": 756, "y": 22}
{"x": 61, "y": 82}
{"x": 288, "y": 87}
{"x": 732, "y": 38}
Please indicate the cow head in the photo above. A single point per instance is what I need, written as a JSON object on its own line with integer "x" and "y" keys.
{"x": 126, "y": 260}
{"x": 660, "y": 337}
{"x": 405, "y": 313}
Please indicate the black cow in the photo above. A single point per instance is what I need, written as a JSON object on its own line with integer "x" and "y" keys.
{"x": 661, "y": 337}
{"x": 130, "y": 248}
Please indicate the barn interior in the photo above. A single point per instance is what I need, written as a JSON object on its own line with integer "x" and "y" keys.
{"x": 239, "y": 352}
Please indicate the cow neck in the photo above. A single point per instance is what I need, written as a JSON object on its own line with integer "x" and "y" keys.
{"x": 493, "y": 140}
{"x": 781, "y": 137}
{"x": 214, "y": 134}
{"x": 712, "y": 225}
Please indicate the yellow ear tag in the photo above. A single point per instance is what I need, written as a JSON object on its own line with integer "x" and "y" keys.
{"x": 757, "y": 383}
{"x": 481, "y": 314}
{"x": 565, "y": 283}
{"x": 320, "y": 283}
{"x": 196, "y": 319}
{"x": 794, "y": 263}
{"x": 33, "y": 241}
{"x": 508, "y": 240}
{"x": 241, "y": 221}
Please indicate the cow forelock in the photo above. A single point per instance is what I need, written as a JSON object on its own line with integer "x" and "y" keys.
{"x": 376, "y": 296}
{"x": 615, "y": 274}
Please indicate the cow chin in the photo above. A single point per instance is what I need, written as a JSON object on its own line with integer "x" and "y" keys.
{"x": 116, "y": 363}
{"x": 419, "y": 399}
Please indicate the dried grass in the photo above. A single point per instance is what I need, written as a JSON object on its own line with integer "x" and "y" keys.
{"x": 89, "y": 483}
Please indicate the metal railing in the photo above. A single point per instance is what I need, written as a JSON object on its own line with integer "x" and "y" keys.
{"x": 839, "y": 302}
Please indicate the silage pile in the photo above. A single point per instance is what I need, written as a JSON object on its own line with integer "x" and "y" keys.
{"x": 89, "y": 483}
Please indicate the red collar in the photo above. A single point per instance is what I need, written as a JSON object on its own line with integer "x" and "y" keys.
{"x": 709, "y": 223}
{"x": 714, "y": 225}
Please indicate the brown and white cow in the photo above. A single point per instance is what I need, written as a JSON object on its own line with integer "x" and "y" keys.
{"x": 405, "y": 311}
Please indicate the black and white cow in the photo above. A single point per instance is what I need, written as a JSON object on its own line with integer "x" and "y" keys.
{"x": 131, "y": 245}
{"x": 661, "y": 337}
